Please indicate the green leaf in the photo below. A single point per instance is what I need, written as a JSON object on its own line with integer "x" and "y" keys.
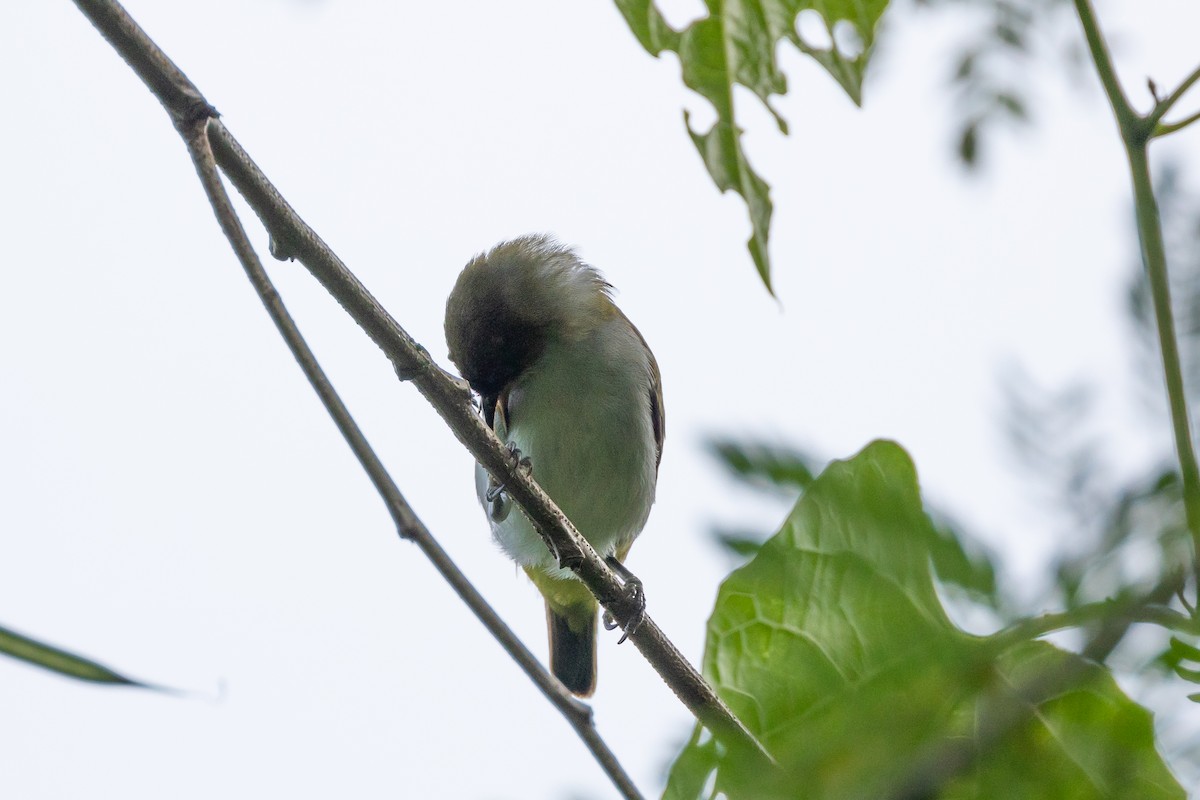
{"x": 691, "y": 769}
{"x": 740, "y": 543}
{"x": 958, "y": 560}
{"x": 760, "y": 462}
{"x": 834, "y": 649}
{"x": 1178, "y": 652}
{"x": 735, "y": 44}
{"x": 52, "y": 658}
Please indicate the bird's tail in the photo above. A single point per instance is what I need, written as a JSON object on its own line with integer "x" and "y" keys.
{"x": 573, "y": 647}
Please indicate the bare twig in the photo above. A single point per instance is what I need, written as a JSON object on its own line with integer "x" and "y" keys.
{"x": 292, "y": 238}
{"x": 1168, "y": 102}
{"x": 408, "y": 525}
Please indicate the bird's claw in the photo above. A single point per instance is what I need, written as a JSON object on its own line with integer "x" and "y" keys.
{"x": 496, "y": 496}
{"x": 635, "y": 598}
{"x": 521, "y": 462}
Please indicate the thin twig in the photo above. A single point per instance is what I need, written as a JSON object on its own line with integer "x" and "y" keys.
{"x": 408, "y": 525}
{"x": 1034, "y": 627}
{"x": 1168, "y": 102}
{"x": 1167, "y": 128}
{"x": 292, "y": 238}
{"x": 1135, "y": 134}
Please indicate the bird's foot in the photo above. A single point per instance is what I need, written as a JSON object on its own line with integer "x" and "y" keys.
{"x": 634, "y": 601}
{"x": 521, "y": 462}
{"x": 496, "y": 496}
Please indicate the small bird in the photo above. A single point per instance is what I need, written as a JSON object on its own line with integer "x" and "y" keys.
{"x": 568, "y": 382}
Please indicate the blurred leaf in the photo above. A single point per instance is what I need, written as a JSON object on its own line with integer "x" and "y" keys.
{"x": 1013, "y": 104}
{"x": 1010, "y": 35}
{"x": 1179, "y": 652}
{"x": 968, "y": 144}
{"x": 991, "y": 72}
{"x": 958, "y": 560}
{"x": 691, "y": 769}
{"x": 1051, "y": 431}
{"x": 739, "y": 543}
{"x": 832, "y": 646}
{"x": 966, "y": 65}
{"x": 60, "y": 661}
{"x": 1121, "y": 532}
{"x": 764, "y": 464}
{"x": 735, "y": 44}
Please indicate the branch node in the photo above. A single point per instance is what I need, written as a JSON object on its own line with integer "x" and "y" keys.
{"x": 409, "y": 372}
{"x": 281, "y": 250}
{"x": 581, "y": 711}
{"x": 194, "y": 116}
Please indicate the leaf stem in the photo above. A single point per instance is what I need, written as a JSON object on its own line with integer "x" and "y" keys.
{"x": 1165, "y": 129}
{"x": 1139, "y": 612}
{"x": 1104, "y": 66}
{"x": 1136, "y": 132}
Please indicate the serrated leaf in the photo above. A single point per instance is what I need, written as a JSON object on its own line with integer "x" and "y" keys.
{"x": 63, "y": 662}
{"x": 833, "y": 647}
{"x": 735, "y": 44}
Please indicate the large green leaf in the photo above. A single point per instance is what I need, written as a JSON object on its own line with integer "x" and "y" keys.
{"x": 959, "y": 560}
{"x": 735, "y": 44}
{"x": 52, "y": 658}
{"x": 833, "y": 647}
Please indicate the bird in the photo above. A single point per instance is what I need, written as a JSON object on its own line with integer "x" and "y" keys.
{"x": 569, "y": 384}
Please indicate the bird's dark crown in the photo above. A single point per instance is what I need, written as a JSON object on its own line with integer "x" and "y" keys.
{"x": 509, "y": 302}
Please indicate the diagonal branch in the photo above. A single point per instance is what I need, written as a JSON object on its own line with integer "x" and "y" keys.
{"x": 408, "y": 525}
{"x": 292, "y": 238}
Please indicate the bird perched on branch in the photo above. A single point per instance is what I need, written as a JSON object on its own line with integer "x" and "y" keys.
{"x": 568, "y": 382}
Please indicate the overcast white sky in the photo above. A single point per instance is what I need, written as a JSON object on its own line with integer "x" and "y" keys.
{"x": 174, "y": 502}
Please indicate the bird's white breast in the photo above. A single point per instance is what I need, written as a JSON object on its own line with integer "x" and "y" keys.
{"x": 581, "y": 414}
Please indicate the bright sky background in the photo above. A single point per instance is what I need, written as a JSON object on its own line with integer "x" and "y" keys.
{"x": 175, "y": 503}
